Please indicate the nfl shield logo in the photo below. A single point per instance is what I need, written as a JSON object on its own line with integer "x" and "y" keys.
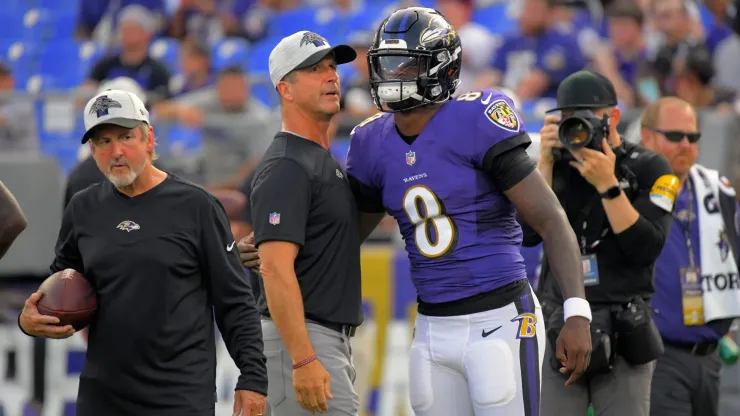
{"x": 275, "y": 218}
{"x": 410, "y": 158}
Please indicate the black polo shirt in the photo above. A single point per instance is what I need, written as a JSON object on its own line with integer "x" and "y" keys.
{"x": 300, "y": 194}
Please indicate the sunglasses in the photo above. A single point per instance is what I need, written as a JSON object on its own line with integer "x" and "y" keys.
{"x": 676, "y": 136}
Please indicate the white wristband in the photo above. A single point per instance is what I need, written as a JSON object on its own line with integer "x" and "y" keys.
{"x": 576, "y": 307}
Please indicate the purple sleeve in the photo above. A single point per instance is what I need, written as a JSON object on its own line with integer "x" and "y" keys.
{"x": 497, "y": 126}
{"x": 359, "y": 159}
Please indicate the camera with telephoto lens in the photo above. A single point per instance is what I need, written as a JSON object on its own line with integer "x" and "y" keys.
{"x": 582, "y": 129}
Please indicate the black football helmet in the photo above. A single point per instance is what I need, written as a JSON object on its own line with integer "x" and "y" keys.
{"x": 414, "y": 60}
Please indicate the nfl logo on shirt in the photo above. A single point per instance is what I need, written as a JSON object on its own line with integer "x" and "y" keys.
{"x": 410, "y": 158}
{"x": 275, "y": 218}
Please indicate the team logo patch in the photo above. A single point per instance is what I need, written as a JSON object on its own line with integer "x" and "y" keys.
{"x": 724, "y": 245}
{"x": 501, "y": 114}
{"x": 128, "y": 226}
{"x": 274, "y": 218}
{"x": 410, "y": 158}
{"x": 438, "y": 29}
{"x": 102, "y": 104}
{"x": 312, "y": 38}
{"x": 527, "y": 325}
{"x": 664, "y": 192}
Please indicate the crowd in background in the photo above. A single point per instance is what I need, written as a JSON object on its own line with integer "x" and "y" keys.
{"x": 200, "y": 63}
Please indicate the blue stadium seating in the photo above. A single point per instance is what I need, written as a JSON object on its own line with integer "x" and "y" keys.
{"x": 304, "y": 18}
{"x": 68, "y": 62}
{"x": 166, "y": 50}
{"x": 496, "y": 18}
{"x": 229, "y": 52}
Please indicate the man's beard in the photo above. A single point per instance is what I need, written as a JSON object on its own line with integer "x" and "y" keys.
{"x": 120, "y": 181}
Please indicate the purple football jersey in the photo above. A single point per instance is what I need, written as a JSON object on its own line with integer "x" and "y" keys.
{"x": 461, "y": 233}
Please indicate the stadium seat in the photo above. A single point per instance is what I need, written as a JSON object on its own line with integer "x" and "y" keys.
{"x": 53, "y": 5}
{"x": 259, "y": 55}
{"x": 228, "y": 52}
{"x": 68, "y": 62}
{"x": 47, "y": 24}
{"x": 498, "y": 18}
{"x": 167, "y": 51}
{"x": 20, "y": 56}
{"x": 303, "y": 18}
{"x": 366, "y": 19}
{"x": 11, "y": 24}
{"x": 179, "y": 140}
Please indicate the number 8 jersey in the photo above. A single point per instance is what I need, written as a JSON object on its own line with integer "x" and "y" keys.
{"x": 460, "y": 231}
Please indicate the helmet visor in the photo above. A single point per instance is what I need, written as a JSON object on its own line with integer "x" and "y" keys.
{"x": 398, "y": 67}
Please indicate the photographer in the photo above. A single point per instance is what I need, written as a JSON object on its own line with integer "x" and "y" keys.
{"x": 618, "y": 197}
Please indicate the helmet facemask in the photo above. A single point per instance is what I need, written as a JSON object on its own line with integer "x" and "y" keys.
{"x": 401, "y": 79}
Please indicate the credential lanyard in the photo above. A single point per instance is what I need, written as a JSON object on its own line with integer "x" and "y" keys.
{"x": 687, "y": 227}
{"x": 583, "y": 219}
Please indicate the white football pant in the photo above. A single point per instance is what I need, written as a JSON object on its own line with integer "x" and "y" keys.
{"x": 484, "y": 364}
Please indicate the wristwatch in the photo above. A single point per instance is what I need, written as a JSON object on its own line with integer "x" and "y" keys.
{"x": 612, "y": 192}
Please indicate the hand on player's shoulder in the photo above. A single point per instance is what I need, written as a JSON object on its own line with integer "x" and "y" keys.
{"x": 38, "y": 325}
{"x": 248, "y": 254}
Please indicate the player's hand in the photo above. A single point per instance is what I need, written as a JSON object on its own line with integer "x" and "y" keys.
{"x": 573, "y": 348}
{"x": 249, "y": 403}
{"x": 549, "y": 138}
{"x": 311, "y": 385}
{"x": 40, "y": 325}
{"x": 248, "y": 253}
{"x": 596, "y": 167}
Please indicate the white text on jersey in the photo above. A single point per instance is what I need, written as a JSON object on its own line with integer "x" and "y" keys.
{"x": 415, "y": 177}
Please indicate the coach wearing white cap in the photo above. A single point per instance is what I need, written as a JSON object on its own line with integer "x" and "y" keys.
{"x": 86, "y": 172}
{"x": 305, "y": 228}
{"x": 161, "y": 257}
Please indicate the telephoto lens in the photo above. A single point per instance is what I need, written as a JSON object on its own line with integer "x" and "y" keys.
{"x": 583, "y": 129}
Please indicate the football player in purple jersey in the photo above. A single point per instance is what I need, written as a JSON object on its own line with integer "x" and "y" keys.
{"x": 454, "y": 173}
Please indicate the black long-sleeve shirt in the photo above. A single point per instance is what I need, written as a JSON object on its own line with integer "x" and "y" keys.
{"x": 625, "y": 260}
{"x": 163, "y": 264}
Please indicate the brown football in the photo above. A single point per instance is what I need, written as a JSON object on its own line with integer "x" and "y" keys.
{"x": 70, "y": 297}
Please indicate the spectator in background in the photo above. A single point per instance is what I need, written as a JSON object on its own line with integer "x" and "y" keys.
{"x": 356, "y": 100}
{"x": 693, "y": 69}
{"x": 202, "y": 21}
{"x": 136, "y": 26}
{"x": 195, "y": 69}
{"x": 18, "y": 131}
{"x": 97, "y": 18}
{"x": 474, "y": 36}
{"x": 533, "y": 62}
{"x": 672, "y": 20}
{"x": 626, "y": 45}
{"x": 236, "y": 127}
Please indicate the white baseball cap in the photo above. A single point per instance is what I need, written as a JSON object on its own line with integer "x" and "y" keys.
{"x": 118, "y": 107}
{"x": 123, "y": 83}
{"x": 301, "y": 50}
